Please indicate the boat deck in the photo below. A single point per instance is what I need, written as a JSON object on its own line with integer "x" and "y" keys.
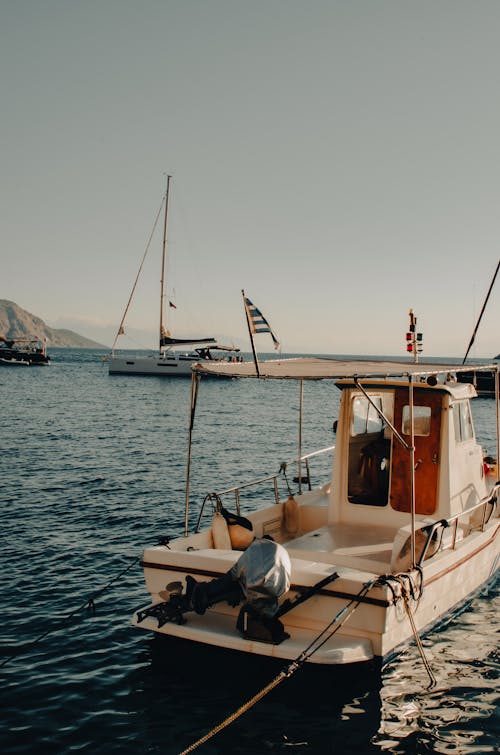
{"x": 367, "y": 548}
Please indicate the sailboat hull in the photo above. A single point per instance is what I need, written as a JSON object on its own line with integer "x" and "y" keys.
{"x": 173, "y": 365}
{"x": 168, "y": 365}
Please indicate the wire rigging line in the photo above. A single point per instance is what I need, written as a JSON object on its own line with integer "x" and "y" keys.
{"x": 481, "y": 314}
{"x": 120, "y": 329}
{"x": 89, "y": 603}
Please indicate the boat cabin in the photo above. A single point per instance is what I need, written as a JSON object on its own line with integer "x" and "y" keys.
{"x": 385, "y": 430}
{"x": 372, "y": 480}
{"x": 406, "y": 462}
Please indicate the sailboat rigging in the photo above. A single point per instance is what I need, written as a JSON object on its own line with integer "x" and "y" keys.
{"x": 484, "y": 382}
{"x": 473, "y": 337}
{"x": 167, "y": 362}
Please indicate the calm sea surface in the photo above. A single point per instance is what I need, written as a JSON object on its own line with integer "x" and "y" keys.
{"x": 92, "y": 470}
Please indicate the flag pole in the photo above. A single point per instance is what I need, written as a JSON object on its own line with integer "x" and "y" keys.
{"x": 256, "y": 361}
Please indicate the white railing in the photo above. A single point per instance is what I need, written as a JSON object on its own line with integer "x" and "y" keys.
{"x": 487, "y": 505}
{"x": 215, "y": 498}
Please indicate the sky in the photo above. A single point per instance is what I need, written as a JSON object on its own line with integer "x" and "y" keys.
{"x": 336, "y": 159}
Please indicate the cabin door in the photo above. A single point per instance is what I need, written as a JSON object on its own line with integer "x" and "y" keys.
{"x": 427, "y": 433}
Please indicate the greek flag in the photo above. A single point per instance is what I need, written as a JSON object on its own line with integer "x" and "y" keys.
{"x": 257, "y": 322}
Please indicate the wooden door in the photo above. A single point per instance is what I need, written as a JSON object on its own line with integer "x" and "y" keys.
{"x": 427, "y": 415}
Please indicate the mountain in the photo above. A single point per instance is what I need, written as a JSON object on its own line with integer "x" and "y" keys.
{"x": 16, "y": 322}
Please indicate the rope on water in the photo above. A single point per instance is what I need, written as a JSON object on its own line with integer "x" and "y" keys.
{"x": 420, "y": 647}
{"x": 246, "y": 706}
{"x": 410, "y": 590}
{"x": 292, "y": 667}
{"x": 89, "y": 604}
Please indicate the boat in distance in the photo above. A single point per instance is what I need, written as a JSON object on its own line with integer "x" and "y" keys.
{"x": 403, "y": 531}
{"x": 172, "y": 363}
{"x": 21, "y": 352}
{"x": 172, "y": 359}
{"x": 483, "y": 382}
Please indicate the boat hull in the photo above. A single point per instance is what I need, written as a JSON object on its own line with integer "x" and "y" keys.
{"x": 171, "y": 366}
{"x": 13, "y": 363}
{"x": 16, "y": 357}
{"x": 375, "y": 629}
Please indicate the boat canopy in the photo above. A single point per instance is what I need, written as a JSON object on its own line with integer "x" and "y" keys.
{"x": 319, "y": 368}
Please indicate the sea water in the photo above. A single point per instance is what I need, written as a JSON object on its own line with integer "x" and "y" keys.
{"x": 93, "y": 468}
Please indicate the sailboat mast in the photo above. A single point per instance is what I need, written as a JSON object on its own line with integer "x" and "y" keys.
{"x": 481, "y": 315}
{"x": 163, "y": 258}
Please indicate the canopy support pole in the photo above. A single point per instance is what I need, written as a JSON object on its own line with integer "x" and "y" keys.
{"x": 497, "y": 398}
{"x": 301, "y": 405}
{"x": 381, "y": 414}
{"x": 412, "y": 468}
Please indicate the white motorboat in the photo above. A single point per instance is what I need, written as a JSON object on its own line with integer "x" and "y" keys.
{"x": 404, "y": 531}
{"x": 175, "y": 355}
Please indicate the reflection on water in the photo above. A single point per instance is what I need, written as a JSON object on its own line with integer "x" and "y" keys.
{"x": 460, "y": 713}
{"x": 187, "y": 690}
{"x": 193, "y": 689}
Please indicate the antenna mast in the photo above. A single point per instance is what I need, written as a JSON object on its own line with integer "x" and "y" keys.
{"x": 413, "y": 339}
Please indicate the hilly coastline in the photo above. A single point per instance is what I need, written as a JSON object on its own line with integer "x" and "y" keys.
{"x": 16, "y": 322}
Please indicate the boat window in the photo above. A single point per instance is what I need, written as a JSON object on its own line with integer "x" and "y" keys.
{"x": 365, "y": 418}
{"x": 369, "y": 455}
{"x": 421, "y": 420}
{"x": 462, "y": 421}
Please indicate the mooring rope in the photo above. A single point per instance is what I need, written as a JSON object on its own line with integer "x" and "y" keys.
{"x": 418, "y": 642}
{"x": 410, "y": 590}
{"x": 292, "y": 667}
{"x": 89, "y": 604}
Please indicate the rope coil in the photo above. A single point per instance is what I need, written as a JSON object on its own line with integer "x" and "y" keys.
{"x": 408, "y": 589}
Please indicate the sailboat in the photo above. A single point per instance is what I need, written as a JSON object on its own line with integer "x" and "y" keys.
{"x": 175, "y": 355}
